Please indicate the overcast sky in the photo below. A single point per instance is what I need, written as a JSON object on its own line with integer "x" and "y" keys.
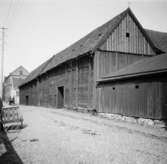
{"x": 37, "y": 29}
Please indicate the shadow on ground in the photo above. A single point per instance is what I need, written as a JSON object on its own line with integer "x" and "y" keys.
{"x": 8, "y": 155}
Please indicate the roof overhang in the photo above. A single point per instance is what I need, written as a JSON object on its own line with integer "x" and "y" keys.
{"x": 128, "y": 76}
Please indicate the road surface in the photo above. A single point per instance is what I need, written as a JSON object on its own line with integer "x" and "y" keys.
{"x": 59, "y": 136}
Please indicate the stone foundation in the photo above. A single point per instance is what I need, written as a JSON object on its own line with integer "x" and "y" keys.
{"x": 141, "y": 121}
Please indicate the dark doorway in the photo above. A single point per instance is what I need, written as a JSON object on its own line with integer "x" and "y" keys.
{"x": 60, "y": 102}
{"x": 27, "y": 100}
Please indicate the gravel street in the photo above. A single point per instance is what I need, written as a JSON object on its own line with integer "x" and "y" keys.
{"x": 59, "y": 136}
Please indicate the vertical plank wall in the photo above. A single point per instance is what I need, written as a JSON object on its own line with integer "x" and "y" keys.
{"x": 126, "y": 45}
{"x": 140, "y": 98}
{"x": 164, "y": 97}
{"x": 76, "y": 76}
{"x": 120, "y": 50}
{"x": 119, "y": 40}
{"x": 109, "y": 62}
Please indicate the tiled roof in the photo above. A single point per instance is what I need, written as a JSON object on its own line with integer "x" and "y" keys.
{"x": 146, "y": 66}
{"x": 158, "y": 38}
{"x": 84, "y": 45}
{"x": 89, "y": 43}
{"x": 37, "y": 71}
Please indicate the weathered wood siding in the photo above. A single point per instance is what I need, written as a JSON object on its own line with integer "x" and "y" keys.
{"x": 164, "y": 97}
{"x": 76, "y": 76}
{"x": 108, "y": 62}
{"x": 137, "y": 98}
{"x": 127, "y": 37}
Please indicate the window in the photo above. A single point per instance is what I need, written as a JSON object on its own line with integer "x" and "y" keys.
{"x": 137, "y": 86}
{"x": 127, "y": 34}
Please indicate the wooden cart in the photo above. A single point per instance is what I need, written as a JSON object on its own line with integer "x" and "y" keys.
{"x": 11, "y": 114}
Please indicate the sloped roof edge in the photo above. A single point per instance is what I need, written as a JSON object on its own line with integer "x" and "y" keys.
{"x": 155, "y": 48}
{"x": 152, "y": 65}
{"x": 158, "y": 38}
{"x": 90, "y": 42}
{"x": 84, "y": 45}
{"x": 36, "y": 72}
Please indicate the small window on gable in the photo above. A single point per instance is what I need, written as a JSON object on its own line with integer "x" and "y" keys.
{"x": 127, "y": 34}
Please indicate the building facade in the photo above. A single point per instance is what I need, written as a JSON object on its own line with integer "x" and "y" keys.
{"x": 11, "y": 83}
{"x": 70, "y": 78}
{"x": 138, "y": 90}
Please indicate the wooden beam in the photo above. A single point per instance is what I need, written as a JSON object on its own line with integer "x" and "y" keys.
{"x": 77, "y": 82}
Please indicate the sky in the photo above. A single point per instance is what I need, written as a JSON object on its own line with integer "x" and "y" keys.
{"x": 38, "y": 29}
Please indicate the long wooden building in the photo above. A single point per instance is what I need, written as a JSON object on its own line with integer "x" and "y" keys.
{"x": 82, "y": 75}
{"x": 138, "y": 90}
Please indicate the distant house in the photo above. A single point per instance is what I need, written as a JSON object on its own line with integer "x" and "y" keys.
{"x": 100, "y": 71}
{"x": 11, "y": 83}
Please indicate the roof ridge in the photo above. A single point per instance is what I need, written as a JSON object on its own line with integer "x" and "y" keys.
{"x": 89, "y": 42}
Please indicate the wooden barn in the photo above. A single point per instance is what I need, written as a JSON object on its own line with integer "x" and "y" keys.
{"x": 81, "y": 75}
{"x": 138, "y": 90}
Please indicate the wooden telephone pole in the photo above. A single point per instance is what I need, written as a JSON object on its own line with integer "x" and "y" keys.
{"x": 2, "y": 59}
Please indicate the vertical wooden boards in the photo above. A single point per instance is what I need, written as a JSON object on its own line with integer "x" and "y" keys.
{"x": 137, "y": 98}
{"x": 75, "y": 76}
{"x": 68, "y": 83}
{"x": 163, "y": 90}
{"x": 95, "y": 67}
{"x": 108, "y": 62}
{"x": 83, "y": 81}
{"x": 127, "y": 37}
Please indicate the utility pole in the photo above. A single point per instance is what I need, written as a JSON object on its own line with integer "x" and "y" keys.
{"x": 2, "y": 59}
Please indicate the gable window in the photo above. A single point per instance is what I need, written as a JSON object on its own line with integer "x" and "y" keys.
{"x": 137, "y": 86}
{"x": 127, "y": 34}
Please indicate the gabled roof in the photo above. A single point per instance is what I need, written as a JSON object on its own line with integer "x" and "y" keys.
{"x": 19, "y": 68}
{"x": 158, "y": 38}
{"x": 86, "y": 44}
{"x": 36, "y": 72}
{"x": 89, "y": 43}
{"x": 148, "y": 66}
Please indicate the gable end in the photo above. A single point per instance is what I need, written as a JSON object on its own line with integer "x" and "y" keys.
{"x": 130, "y": 37}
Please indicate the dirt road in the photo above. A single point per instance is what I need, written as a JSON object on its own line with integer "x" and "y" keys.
{"x": 58, "y": 136}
